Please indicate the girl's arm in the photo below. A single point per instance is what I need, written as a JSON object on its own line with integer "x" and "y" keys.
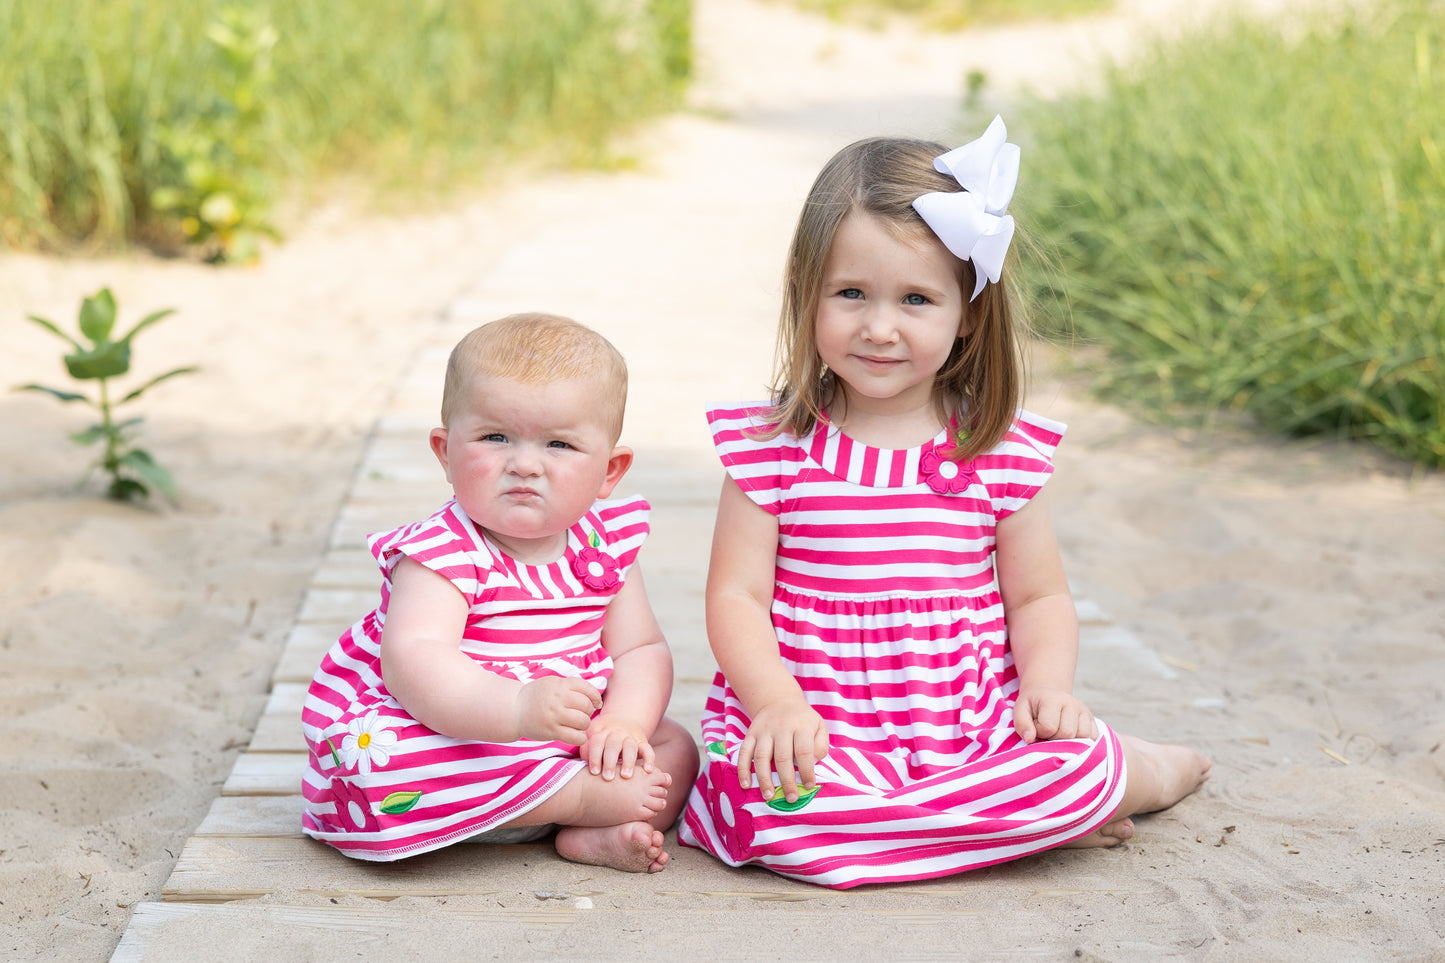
{"x": 1042, "y": 624}
{"x": 786, "y": 732}
{"x": 425, "y": 669}
{"x": 639, "y": 688}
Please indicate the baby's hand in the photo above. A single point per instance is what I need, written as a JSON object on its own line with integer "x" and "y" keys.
{"x": 1052, "y": 714}
{"x": 613, "y": 744}
{"x": 556, "y": 709}
{"x": 789, "y": 737}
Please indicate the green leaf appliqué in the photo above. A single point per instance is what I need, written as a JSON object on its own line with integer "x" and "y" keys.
{"x": 781, "y": 804}
{"x": 399, "y": 802}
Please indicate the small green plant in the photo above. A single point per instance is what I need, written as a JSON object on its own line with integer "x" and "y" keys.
{"x": 133, "y": 472}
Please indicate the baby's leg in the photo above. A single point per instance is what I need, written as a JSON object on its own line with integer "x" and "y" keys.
{"x": 1158, "y": 777}
{"x": 637, "y": 846}
{"x": 588, "y": 800}
{"x": 620, "y": 822}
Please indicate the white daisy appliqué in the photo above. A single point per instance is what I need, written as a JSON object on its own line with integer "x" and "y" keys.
{"x": 366, "y": 743}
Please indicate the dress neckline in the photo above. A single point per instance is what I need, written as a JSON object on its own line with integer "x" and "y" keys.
{"x": 558, "y": 571}
{"x": 870, "y": 466}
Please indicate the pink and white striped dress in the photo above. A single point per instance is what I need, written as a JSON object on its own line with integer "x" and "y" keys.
{"x": 381, "y": 785}
{"x": 888, "y": 614}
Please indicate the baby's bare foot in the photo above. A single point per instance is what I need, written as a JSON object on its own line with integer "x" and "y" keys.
{"x": 1110, "y": 834}
{"x": 631, "y": 847}
{"x": 1171, "y": 772}
{"x": 638, "y": 797}
{"x": 595, "y": 801}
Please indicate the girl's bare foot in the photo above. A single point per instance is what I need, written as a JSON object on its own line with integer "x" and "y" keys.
{"x": 1160, "y": 775}
{"x": 1110, "y": 834}
{"x": 632, "y": 847}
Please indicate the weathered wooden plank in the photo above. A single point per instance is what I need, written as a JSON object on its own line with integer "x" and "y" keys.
{"x": 417, "y": 493}
{"x": 559, "y": 926}
{"x": 220, "y": 868}
{"x": 278, "y": 733}
{"x": 214, "y": 869}
{"x": 347, "y": 570}
{"x": 266, "y": 774}
{"x": 339, "y": 607}
{"x": 253, "y": 816}
{"x": 305, "y": 646}
{"x": 287, "y": 697}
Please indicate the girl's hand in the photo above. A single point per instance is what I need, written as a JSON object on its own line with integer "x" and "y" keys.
{"x": 556, "y": 709}
{"x": 787, "y": 736}
{"x": 614, "y": 745}
{"x": 1045, "y": 713}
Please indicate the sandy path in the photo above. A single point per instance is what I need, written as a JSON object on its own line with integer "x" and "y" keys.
{"x": 1288, "y": 595}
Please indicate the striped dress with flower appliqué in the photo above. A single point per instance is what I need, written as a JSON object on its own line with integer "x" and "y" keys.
{"x": 381, "y": 785}
{"x": 888, "y": 614}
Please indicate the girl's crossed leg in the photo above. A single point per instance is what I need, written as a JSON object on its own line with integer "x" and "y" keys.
{"x": 1158, "y": 776}
{"x": 620, "y": 822}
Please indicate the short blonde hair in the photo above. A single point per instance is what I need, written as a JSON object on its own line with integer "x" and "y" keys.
{"x": 881, "y": 177}
{"x": 536, "y": 348}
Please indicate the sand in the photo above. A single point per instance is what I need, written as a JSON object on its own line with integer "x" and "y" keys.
{"x": 1278, "y": 604}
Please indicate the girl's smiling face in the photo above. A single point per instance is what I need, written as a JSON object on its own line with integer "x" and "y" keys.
{"x": 889, "y": 312}
{"x": 526, "y": 461}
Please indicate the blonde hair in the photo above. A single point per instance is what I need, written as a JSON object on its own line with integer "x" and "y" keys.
{"x": 536, "y": 348}
{"x": 881, "y": 177}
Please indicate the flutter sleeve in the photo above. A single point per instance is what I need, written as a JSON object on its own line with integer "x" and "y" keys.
{"x": 759, "y": 466}
{"x": 1015, "y": 470}
{"x": 624, "y": 524}
{"x": 446, "y": 543}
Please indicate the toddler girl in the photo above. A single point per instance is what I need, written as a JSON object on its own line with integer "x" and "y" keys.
{"x": 513, "y": 678}
{"x": 893, "y": 629}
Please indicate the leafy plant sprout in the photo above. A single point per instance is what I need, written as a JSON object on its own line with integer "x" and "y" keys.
{"x": 133, "y": 472}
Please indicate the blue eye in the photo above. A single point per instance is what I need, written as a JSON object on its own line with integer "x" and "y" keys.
{"x": 852, "y": 294}
{"x": 914, "y": 299}
{"x": 495, "y": 437}
{"x": 558, "y": 444}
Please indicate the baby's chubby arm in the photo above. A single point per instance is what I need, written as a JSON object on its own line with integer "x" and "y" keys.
{"x": 1043, "y": 627}
{"x": 444, "y": 689}
{"x": 786, "y": 734}
{"x": 639, "y": 688}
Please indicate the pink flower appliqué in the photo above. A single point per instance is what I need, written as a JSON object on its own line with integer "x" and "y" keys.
{"x": 944, "y": 476}
{"x": 353, "y": 809}
{"x": 594, "y": 567}
{"x": 731, "y": 819}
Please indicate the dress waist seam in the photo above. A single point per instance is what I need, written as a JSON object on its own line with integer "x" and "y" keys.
{"x": 988, "y": 594}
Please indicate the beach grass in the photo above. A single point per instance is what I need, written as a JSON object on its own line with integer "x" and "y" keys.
{"x": 182, "y": 120}
{"x": 1252, "y": 222}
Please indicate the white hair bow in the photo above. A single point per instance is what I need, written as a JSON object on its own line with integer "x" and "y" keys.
{"x": 971, "y": 223}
